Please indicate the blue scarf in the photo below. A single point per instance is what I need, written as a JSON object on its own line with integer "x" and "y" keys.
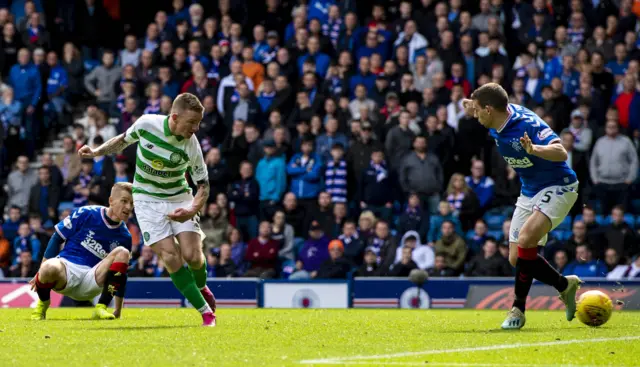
{"x": 381, "y": 171}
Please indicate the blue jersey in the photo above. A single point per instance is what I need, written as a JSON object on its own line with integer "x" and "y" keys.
{"x": 535, "y": 173}
{"x": 89, "y": 237}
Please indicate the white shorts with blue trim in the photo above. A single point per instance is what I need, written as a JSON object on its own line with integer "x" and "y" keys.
{"x": 81, "y": 281}
{"x": 554, "y": 201}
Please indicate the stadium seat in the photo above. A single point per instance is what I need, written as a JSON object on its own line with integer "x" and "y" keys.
{"x": 496, "y": 234}
{"x": 600, "y": 219}
{"x": 494, "y": 221}
{"x": 565, "y": 225}
{"x": 628, "y": 218}
{"x": 90, "y": 65}
{"x": 65, "y": 205}
{"x": 578, "y": 217}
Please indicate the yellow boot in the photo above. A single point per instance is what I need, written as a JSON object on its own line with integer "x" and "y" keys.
{"x": 40, "y": 312}
{"x": 101, "y": 313}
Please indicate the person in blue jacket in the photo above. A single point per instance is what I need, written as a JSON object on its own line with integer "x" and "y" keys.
{"x": 24, "y": 77}
{"x": 26, "y": 241}
{"x": 56, "y": 86}
{"x": 364, "y": 76}
{"x": 373, "y": 45}
{"x": 319, "y": 9}
{"x": 584, "y": 265}
{"x": 322, "y": 60}
{"x": 271, "y": 174}
{"x": 306, "y": 174}
{"x": 553, "y": 63}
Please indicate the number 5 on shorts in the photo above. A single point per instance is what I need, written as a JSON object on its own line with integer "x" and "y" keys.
{"x": 546, "y": 197}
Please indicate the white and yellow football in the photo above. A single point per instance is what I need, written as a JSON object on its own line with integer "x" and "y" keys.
{"x": 594, "y": 308}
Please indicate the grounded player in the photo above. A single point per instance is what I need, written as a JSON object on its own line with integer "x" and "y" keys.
{"x": 165, "y": 208}
{"x": 549, "y": 190}
{"x": 95, "y": 257}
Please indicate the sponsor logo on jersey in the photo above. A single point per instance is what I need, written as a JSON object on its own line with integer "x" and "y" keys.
{"x": 198, "y": 170}
{"x": 545, "y": 133}
{"x": 157, "y": 164}
{"x": 154, "y": 172}
{"x": 175, "y": 158}
{"x": 519, "y": 163}
{"x": 94, "y": 247}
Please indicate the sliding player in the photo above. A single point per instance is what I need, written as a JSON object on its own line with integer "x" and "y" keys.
{"x": 165, "y": 208}
{"x": 549, "y": 190}
{"x": 95, "y": 257}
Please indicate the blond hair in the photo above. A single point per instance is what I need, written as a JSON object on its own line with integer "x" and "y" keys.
{"x": 452, "y": 190}
{"x": 122, "y": 186}
{"x": 187, "y": 102}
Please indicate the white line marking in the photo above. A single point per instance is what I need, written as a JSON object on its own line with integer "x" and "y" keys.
{"x": 340, "y": 360}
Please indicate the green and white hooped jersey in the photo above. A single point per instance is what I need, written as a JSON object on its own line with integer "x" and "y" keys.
{"x": 162, "y": 159}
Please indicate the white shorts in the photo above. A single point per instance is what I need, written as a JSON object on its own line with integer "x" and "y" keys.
{"x": 154, "y": 223}
{"x": 555, "y": 202}
{"x": 81, "y": 281}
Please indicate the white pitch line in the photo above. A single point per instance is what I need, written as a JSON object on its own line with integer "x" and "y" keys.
{"x": 341, "y": 360}
{"x": 369, "y": 363}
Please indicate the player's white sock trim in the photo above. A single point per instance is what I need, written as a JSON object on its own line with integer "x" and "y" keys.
{"x": 205, "y": 309}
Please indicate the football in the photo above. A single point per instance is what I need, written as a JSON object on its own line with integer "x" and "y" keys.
{"x": 594, "y": 308}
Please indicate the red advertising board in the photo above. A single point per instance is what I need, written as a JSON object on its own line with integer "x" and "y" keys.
{"x": 19, "y": 295}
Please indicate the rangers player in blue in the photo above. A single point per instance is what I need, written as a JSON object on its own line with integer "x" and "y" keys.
{"x": 95, "y": 257}
{"x": 549, "y": 190}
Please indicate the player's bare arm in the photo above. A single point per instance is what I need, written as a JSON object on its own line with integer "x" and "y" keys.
{"x": 185, "y": 214}
{"x": 113, "y": 145}
{"x": 554, "y": 152}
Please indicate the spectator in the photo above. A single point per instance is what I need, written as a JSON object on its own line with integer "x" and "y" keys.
{"x": 215, "y": 226}
{"x": 313, "y": 253}
{"x": 337, "y": 266}
{"x": 271, "y": 174}
{"x": 146, "y": 265}
{"x": 414, "y": 218}
{"x": 10, "y": 44}
{"x": 482, "y": 186}
{"x": 421, "y": 173}
{"x": 415, "y": 42}
{"x": 582, "y": 134}
{"x": 101, "y": 80}
{"x": 619, "y": 235}
{"x": 369, "y": 267}
{"x": 628, "y": 103}
{"x": 10, "y": 111}
{"x": 353, "y": 245}
{"x": 577, "y": 161}
{"x": 578, "y": 238}
{"x": 440, "y": 268}
{"x": 82, "y": 184}
{"x": 283, "y": 233}
{"x": 19, "y": 184}
{"x": 595, "y": 232}
{"x": 305, "y": 172}
{"x": 489, "y": 263}
{"x": 613, "y": 167}
{"x": 421, "y": 254}
{"x": 451, "y": 246}
{"x": 57, "y": 84}
{"x": 404, "y": 266}
{"x": 561, "y": 260}
{"x": 360, "y": 151}
{"x": 330, "y": 138}
{"x": 335, "y": 176}
{"x": 624, "y": 272}
{"x": 322, "y": 213}
{"x": 295, "y": 215}
{"x": 584, "y": 265}
{"x": 612, "y": 260}
{"x": 383, "y": 243}
{"x": 398, "y": 141}
{"x": 218, "y": 172}
{"x": 10, "y": 226}
{"x": 376, "y": 190}
{"x": 361, "y": 101}
{"x": 477, "y": 238}
{"x": 224, "y": 267}
{"x": 34, "y": 34}
{"x": 25, "y": 268}
{"x": 25, "y": 242}
{"x": 463, "y": 201}
{"x": 235, "y": 147}
{"x": 100, "y": 126}
{"x": 445, "y": 213}
{"x": 130, "y": 55}
{"x": 254, "y": 143}
{"x": 26, "y": 81}
{"x": 44, "y": 197}
{"x": 245, "y": 194}
{"x": 262, "y": 254}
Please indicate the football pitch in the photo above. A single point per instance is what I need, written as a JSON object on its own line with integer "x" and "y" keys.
{"x": 271, "y": 337}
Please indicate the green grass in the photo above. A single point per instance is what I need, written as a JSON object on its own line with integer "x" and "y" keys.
{"x": 264, "y": 337}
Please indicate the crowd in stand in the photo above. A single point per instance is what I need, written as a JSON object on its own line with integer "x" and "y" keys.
{"x": 333, "y": 130}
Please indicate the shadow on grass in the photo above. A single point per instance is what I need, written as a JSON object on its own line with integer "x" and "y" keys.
{"x": 537, "y": 330}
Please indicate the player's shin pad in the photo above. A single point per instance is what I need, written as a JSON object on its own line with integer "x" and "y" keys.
{"x": 115, "y": 283}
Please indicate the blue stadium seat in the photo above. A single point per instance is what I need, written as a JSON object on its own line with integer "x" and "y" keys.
{"x": 90, "y": 64}
{"x": 578, "y": 217}
{"x": 496, "y": 234}
{"x": 600, "y": 219}
{"x": 565, "y": 225}
{"x": 65, "y": 205}
{"x": 494, "y": 221}
{"x": 469, "y": 234}
{"x": 628, "y": 218}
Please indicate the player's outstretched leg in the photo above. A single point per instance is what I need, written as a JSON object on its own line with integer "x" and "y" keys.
{"x": 52, "y": 274}
{"x": 111, "y": 274}
{"x": 183, "y": 279}
{"x": 191, "y": 249}
{"x": 530, "y": 263}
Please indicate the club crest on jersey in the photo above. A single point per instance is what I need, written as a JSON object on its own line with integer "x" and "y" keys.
{"x": 519, "y": 163}
{"x": 174, "y": 158}
{"x": 157, "y": 164}
{"x": 515, "y": 144}
{"x": 113, "y": 245}
{"x": 545, "y": 133}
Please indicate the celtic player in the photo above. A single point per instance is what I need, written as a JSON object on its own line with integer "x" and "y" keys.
{"x": 165, "y": 208}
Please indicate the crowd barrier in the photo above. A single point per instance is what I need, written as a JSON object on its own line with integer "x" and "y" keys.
{"x": 475, "y": 293}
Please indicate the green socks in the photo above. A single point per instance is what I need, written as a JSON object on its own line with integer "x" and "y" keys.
{"x": 200, "y": 276}
{"x": 183, "y": 280}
